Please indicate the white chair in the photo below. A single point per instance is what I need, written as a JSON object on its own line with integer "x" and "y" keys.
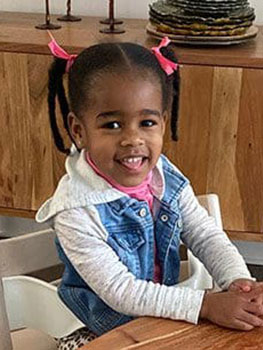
{"x": 28, "y": 304}
{"x": 193, "y": 271}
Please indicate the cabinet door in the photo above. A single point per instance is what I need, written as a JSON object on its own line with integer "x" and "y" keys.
{"x": 220, "y": 145}
{"x": 29, "y": 164}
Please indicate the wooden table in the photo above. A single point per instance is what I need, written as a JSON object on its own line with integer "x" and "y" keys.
{"x": 149, "y": 333}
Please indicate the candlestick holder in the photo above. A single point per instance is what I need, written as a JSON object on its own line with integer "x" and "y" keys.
{"x": 112, "y": 22}
{"x": 107, "y": 21}
{"x": 47, "y": 25}
{"x": 68, "y": 17}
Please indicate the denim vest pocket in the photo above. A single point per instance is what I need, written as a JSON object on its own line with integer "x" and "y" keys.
{"x": 129, "y": 240}
{"x": 128, "y": 245}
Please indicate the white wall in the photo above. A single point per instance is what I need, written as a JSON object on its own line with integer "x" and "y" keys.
{"x": 124, "y": 8}
{"x": 258, "y": 6}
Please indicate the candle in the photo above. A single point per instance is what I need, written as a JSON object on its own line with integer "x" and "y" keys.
{"x": 68, "y": 17}
{"x": 111, "y": 11}
{"x": 111, "y": 21}
{"x": 111, "y": 16}
{"x": 47, "y": 25}
{"x": 47, "y": 13}
{"x": 68, "y": 7}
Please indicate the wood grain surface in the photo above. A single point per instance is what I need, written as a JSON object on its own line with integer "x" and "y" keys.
{"x": 245, "y": 236}
{"x": 220, "y": 147}
{"x": 29, "y": 165}
{"x": 154, "y": 334}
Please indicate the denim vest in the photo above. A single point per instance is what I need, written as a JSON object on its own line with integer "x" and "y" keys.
{"x": 132, "y": 230}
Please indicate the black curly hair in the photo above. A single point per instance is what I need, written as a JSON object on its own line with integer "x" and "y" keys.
{"x": 99, "y": 59}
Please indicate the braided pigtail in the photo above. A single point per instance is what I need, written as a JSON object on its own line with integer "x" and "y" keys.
{"x": 175, "y": 77}
{"x": 56, "y": 88}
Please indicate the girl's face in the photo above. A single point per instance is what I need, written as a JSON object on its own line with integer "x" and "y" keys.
{"x": 123, "y": 127}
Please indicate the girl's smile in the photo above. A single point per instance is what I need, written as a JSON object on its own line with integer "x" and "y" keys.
{"x": 122, "y": 128}
{"x": 132, "y": 163}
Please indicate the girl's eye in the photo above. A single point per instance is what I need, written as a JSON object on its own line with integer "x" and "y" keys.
{"x": 148, "y": 123}
{"x": 112, "y": 125}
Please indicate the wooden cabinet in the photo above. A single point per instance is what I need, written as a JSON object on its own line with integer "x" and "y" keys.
{"x": 29, "y": 164}
{"x": 220, "y": 145}
{"x": 220, "y": 129}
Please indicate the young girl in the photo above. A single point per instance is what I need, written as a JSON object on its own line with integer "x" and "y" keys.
{"x": 122, "y": 208}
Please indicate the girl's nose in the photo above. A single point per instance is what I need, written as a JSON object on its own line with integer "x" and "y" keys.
{"x": 132, "y": 138}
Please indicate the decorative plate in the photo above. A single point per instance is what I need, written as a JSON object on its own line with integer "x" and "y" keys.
{"x": 204, "y": 40}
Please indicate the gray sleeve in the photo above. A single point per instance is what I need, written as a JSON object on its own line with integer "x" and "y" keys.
{"x": 209, "y": 243}
{"x": 83, "y": 239}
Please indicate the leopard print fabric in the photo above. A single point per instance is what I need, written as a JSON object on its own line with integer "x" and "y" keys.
{"x": 76, "y": 339}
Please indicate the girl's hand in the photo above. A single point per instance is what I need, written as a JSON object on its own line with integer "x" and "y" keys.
{"x": 234, "y": 309}
{"x": 246, "y": 285}
{"x": 242, "y": 284}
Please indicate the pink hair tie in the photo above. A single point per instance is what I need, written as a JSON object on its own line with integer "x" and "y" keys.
{"x": 57, "y": 51}
{"x": 168, "y": 66}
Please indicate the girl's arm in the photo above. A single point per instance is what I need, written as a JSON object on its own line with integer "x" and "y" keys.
{"x": 83, "y": 240}
{"x": 102, "y": 270}
{"x": 209, "y": 243}
{"x": 233, "y": 309}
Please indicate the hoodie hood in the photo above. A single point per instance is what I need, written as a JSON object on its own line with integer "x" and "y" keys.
{"x": 81, "y": 187}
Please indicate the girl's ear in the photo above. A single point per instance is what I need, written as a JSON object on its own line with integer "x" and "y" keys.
{"x": 76, "y": 129}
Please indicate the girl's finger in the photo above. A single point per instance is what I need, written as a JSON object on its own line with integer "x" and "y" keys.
{"x": 241, "y": 325}
{"x": 258, "y": 300}
{"x": 234, "y": 286}
{"x": 256, "y": 292}
{"x": 250, "y": 319}
{"x": 246, "y": 288}
{"x": 254, "y": 308}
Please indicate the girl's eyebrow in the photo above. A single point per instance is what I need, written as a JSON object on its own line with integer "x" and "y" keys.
{"x": 108, "y": 114}
{"x": 148, "y": 111}
{"x": 143, "y": 112}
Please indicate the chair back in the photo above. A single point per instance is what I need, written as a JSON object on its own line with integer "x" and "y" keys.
{"x": 198, "y": 276}
{"x": 26, "y": 301}
{"x": 211, "y": 203}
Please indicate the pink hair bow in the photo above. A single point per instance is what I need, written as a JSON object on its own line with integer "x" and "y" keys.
{"x": 168, "y": 66}
{"x": 57, "y": 51}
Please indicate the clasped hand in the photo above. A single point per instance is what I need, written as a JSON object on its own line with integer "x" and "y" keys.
{"x": 240, "y": 307}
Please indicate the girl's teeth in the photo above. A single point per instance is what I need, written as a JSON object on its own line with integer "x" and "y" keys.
{"x": 132, "y": 160}
{"x": 133, "y": 163}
